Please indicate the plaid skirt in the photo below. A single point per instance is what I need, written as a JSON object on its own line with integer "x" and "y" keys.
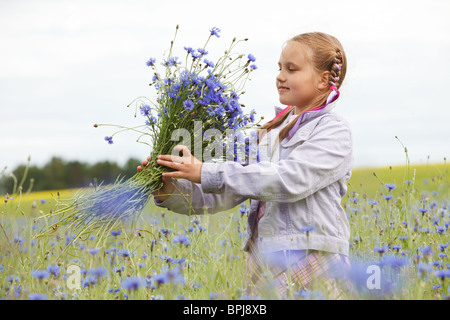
{"x": 297, "y": 273}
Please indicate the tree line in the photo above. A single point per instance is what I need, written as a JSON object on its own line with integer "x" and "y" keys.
{"x": 58, "y": 174}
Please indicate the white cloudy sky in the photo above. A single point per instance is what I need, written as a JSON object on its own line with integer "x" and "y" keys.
{"x": 65, "y": 65}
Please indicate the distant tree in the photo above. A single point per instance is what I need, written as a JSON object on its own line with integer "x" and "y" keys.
{"x": 76, "y": 174}
{"x": 60, "y": 174}
{"x": 129, "y": 169}
{"x": 105, "y": 172}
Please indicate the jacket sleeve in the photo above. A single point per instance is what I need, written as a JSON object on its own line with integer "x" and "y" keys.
{"x": 321, "y": 159}
{"x": 188, "y": 198}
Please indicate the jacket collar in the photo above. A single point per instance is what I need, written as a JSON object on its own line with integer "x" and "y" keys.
{"x": 310, "y": 114}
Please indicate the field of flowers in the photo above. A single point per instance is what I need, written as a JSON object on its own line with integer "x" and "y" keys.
{"x": 399, "y": 220}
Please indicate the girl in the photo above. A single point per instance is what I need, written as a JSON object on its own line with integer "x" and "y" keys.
{"x": 296, "y": 225}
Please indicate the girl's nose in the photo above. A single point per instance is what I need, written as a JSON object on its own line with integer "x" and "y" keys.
{"x": 279, "y": 80}
{"x": 280, "y": 77}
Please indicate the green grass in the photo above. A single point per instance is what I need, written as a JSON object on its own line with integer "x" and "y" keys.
{"x": 212, "y": 265}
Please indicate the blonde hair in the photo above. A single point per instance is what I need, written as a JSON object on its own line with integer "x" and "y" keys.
{"x": 325, "y": 54}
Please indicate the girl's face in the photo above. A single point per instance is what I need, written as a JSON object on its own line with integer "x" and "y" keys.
{"x": 298, "y": 83}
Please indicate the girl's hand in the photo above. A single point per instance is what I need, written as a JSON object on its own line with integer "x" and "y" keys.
{"x": 187, "y": 167}
{"x": 167, "y": 187}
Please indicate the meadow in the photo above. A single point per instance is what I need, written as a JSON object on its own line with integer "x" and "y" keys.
{"x": 399, "y": 223}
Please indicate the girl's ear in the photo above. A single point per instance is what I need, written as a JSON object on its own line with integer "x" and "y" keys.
{"x": 324, "y": 80}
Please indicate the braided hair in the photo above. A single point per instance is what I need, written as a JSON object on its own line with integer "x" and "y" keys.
{"x": 335, "y": 70}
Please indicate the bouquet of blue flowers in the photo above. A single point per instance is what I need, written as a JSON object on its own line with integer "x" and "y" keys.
{"x": 197, "y": 99}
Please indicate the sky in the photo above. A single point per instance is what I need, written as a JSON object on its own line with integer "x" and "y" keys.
{"x": 66, "y": 65}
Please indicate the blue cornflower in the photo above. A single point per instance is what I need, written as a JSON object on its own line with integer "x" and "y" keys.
{"x": 109, "y": 139}
{"x": 151, "y": 121}
{"x": 251, "y": 57}
{"x": 160, "y": 279}
{"x": 89, "y": 281}
{"x": 93, "y": 251}
{"x": 116, "y": 233}
{"x": 182, "y": 240}
{"x": 43, "y": 201}
{"x": 372, "y": 202}
{"x": 168, "y": 81}
{"x": 390, "y": 186}
{"x": 132, "y": 283}
{"x": 189, "y": 50}
{"x": 211, "y": 83}
{"x": 69, "y": 239}
{"x": 426, "y": 250}
{"x": 423, "y": 210}
{"x": 196, "y": 285}
{"x": 118, "y": 270}
{"x": 208, "y": 63}
{"x": 40, "y": 274}
{"x": 442, "y": 274}
{"x": 380, "y": 250}
{"x": 215, "y": 31}
{"x": 303, "y": 293}
{"x": 172, "y": 62}
{"x": 155, "y": 77}
{"x": 243, "y": 209}
{"x": 195, "y": 55}
{"x": 394, "y": 261}
{"x": 388, "y": 197}
{"x": 174, "y": 275}
{"x": 151, "y": 62}
{"x": 146, "y": 110}
{"x": 124, "y": 253}
{"x": 307, "y": 229}
{"x": 440, "y": 229}
{"x": 436, "y": 287}
{"x": 252, "y": 116}
{"x": 166, "y": 231}
{"x": 11, "y": 279}
{"x": 37, "y": 296}
{"x": 423, "y": 268}
{"x": 253, "y": 67}
{"x": 98, "y": 272}
{"x": 202, "y": 51}
{"x": 213, "y": 295}
{"x": 18, "y": 240}
{"x": 54, "y": 270}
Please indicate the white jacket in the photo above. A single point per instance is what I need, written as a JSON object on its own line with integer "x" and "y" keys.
{"x": 302, "y": 185}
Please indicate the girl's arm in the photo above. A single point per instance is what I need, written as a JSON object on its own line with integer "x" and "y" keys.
{"x": 189, "y": 198}
{"x": 322, "y": 159}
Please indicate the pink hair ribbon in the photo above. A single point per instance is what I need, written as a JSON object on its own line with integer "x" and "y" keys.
{"x": 334, "y": 94}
